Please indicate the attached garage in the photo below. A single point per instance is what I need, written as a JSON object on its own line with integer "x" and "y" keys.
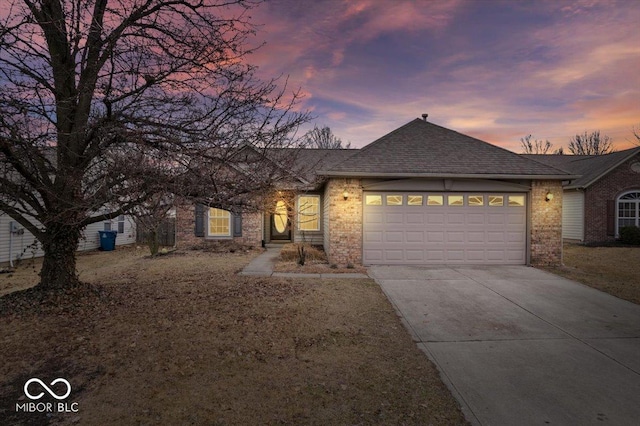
{"x": 444, "y": 228}
{"x": 425, "y": 194}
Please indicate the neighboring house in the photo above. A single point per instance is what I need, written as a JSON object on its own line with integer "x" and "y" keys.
{"x": 603, "y": 199}
{"x": 21, "y": 244}
{"x": 422, "y": 194}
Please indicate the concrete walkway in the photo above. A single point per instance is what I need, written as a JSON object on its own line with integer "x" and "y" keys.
{"x": 262, "y": 266}
{"x": 521, "y": 346}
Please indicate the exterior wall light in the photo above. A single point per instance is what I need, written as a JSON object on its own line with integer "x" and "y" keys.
{"x": 548, "y": 197}
{"x": 345, "y": 195}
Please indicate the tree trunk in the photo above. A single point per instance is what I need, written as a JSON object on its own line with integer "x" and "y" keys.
{"x": 152, "y": 241}
{"x": 59, "y": 264}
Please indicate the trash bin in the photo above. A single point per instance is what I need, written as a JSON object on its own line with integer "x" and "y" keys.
{"x": 108, "y": 240}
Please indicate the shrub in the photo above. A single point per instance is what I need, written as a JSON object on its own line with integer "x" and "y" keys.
{"x": 630, "y": 235}
{"x": 290, "y": 253}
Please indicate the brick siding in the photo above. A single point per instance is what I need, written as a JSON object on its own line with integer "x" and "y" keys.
{"x": 345, "y": 222}
{"x": 546, "y": 224}
{"x": 185, "y": 228}
{"x": 610, "y": 187}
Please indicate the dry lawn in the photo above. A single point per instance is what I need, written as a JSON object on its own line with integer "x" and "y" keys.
{"x": 615, "y": 270}
{"x": 181, "y": 339}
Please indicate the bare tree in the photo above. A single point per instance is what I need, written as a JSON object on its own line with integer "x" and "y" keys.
{"x": 636, "y": 134}
{"x": 151, "y": 215}
{"x": 324, "y": 138}
{"x": 97, "y": 96}
{"x": 590, "y": 144}
{"x": 530, "y": 146}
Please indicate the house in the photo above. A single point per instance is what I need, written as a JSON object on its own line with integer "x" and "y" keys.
{"x": 422, "y": 194}
{"x": 603, "y": 199}
{"x": 17, "y": 243}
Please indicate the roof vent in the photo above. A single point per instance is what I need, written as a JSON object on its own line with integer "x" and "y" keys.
{"x": 424, "y": 117}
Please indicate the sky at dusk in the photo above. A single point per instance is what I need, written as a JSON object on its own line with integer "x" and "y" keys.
{"x": 495, "y": 70}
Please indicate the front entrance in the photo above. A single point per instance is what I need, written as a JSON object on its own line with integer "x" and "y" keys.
{"x": 280, "y": 224}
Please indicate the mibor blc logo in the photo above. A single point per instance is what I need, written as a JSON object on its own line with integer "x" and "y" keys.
{"x": 35, "y": 389}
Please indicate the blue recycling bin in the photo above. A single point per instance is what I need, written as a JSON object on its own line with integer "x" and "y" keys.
{"x": 108, "y": 240}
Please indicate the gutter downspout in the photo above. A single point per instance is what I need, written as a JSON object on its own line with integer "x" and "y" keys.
{"x": 10, "y": 246}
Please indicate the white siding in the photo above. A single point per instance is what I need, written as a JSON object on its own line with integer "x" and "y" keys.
{"x": 22, "y": 245}
{"x": 573, "y": 215}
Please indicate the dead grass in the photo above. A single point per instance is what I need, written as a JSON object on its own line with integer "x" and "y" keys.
{"x": 182, "y": 339}
{"x": 615, "y": 270}
{"x": 316, "y": 262}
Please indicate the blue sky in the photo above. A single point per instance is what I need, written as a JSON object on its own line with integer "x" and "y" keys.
{"x": 496, "y": 70}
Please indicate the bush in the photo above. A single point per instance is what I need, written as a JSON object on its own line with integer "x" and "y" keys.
{"x": 630, "y": 235}
{"x": 291, "y": 252}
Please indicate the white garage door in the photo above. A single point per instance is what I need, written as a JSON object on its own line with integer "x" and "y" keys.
{"x": 444, "y": 228}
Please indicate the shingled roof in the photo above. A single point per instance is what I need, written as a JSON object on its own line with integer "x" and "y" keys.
{"x": 590, "y": 167}
{"x": 423, "y": 149}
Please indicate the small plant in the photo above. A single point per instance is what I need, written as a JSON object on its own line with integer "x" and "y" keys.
{"x": 630, "y": 235}
{"x": 302, "y": 255}
{"x": 333, "y": 266}
{"x": 350, "y": 266}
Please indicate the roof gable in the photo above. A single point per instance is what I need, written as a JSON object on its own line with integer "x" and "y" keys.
{"x": 420, "y": 148}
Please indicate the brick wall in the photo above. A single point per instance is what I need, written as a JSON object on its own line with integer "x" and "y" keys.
{"x": 620, "y": 180}
{"x": 185, "y": 228}
{"x": 546, "y": 223}
{"x": 251, "y": 229}
{"x": 186, "y": 225}
{"x": 344, "y": 222}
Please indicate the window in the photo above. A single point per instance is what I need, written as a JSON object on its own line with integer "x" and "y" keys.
{"x": 394, "y": 200}
{"x": 119, "y": 222}
{"x": 435, "y": 200}
{"x": 455, "y": 200}
{"x": 628, "y": 210}
{"x": 496, "y": 200}
{"x": 309, "y": 213}
{"x": 219, "y": 223}
{"x": 516, "y": 200}
{"x": 476, "y": 200}
{"x": 373, "y": 200}
{"x": 414, "y": 200}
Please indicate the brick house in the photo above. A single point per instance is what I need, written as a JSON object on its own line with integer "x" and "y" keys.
{"x": 603, "y": 199}
{"x": 422, "y": 194}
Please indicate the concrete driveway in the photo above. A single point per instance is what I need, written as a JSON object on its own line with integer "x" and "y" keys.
{"x": 521, "y": 346}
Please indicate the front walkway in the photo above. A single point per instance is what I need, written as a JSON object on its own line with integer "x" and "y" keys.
{"x": 262, "y": 266}
{"x": 521, "y": 346}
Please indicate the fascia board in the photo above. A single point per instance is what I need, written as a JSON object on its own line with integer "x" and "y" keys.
{"x": 447, "y": 175}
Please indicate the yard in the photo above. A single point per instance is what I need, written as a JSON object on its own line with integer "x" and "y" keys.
{"x": 614, "y": 270}
{"x": 182, "y": 339}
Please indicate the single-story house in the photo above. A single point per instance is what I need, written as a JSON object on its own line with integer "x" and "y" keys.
{"x": 422, "y": 194}
{"x": 17, "y": 243}
{"x": 603, "y": 199}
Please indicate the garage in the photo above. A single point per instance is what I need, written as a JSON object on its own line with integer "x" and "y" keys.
{"x": 444, "y": 228}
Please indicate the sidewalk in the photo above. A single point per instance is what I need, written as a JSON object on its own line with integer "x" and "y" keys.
{"x": 262, "y": 266}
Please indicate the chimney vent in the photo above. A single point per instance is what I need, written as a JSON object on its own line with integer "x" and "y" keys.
{"x": 424, "y": 117}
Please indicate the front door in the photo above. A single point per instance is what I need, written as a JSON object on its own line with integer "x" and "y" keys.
{"x": 280, "y": 226}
